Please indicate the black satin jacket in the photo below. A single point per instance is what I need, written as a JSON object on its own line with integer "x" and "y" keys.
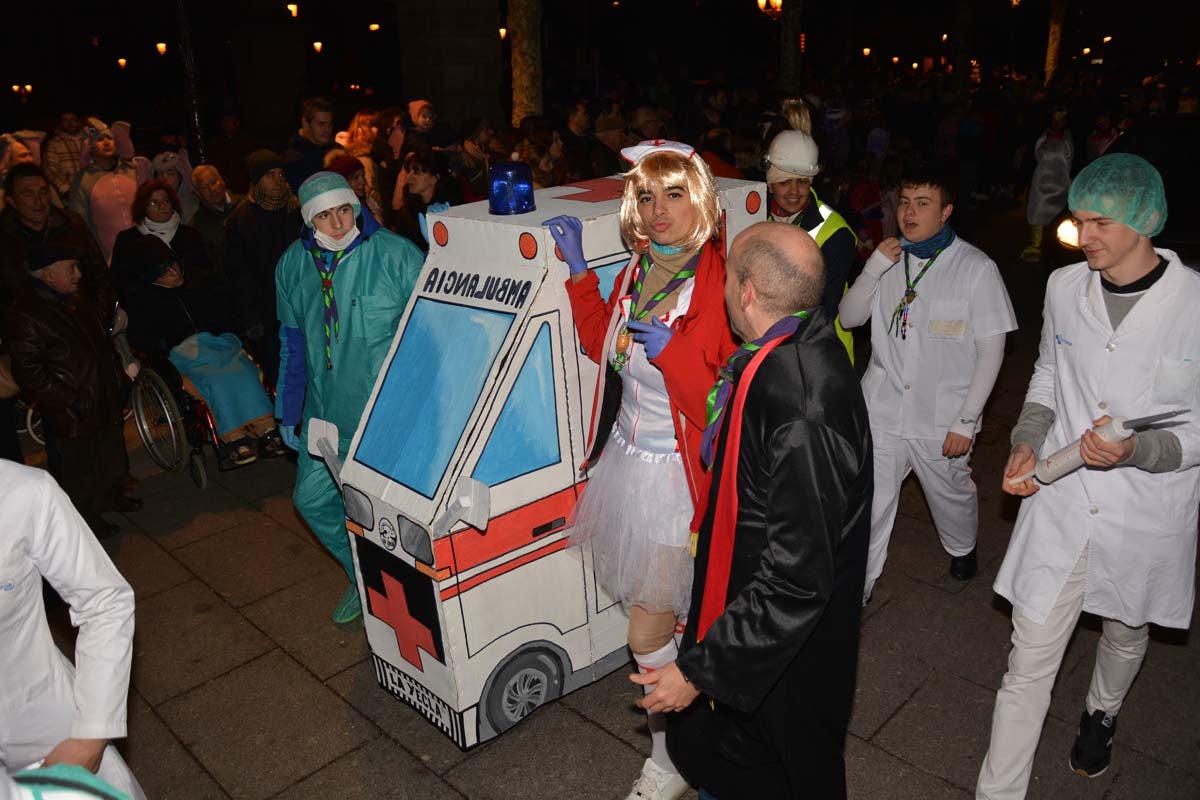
{"x": 779, "y": 662}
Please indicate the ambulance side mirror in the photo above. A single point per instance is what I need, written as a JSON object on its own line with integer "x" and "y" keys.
{"x": 470, "y": 503}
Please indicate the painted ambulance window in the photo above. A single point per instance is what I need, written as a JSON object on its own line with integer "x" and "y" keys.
{"x": 607, "y": 273}
{"x": 432, "y": 385}
{"x": 525, "y": 438}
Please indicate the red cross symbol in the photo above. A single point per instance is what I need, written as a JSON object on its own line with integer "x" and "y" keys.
{"x": 598, "y": 190}
{"x": 393, "y": 609}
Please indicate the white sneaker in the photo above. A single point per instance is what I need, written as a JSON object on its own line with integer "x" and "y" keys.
{"x": 655, "y": 783}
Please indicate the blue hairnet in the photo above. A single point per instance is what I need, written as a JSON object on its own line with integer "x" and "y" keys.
{"x": 1123, "y": 187}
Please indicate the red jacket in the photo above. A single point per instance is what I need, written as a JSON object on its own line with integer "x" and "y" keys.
{"x": 701, "y": 345}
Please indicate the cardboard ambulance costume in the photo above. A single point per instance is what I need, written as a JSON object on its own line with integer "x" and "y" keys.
{"x": 466, "y": 466}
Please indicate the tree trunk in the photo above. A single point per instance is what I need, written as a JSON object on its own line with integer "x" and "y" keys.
{"x": 1058, "y": 16}
{"x": 789, "y": 48}
{"x": 525, "y": 28}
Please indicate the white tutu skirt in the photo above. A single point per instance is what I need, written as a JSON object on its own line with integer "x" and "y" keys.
{"x": 636, "y": 512}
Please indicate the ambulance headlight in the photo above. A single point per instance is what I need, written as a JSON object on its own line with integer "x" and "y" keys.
{"x": 415, "y": 540}
{"x": 511, "y": 188}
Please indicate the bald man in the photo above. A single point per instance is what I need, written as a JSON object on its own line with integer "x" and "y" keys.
{"x": 765, "y": 677}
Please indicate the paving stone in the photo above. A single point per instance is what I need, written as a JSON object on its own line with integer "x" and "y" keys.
{"x": 887, "y": 678}
{"x": 280, "y": 508}
{"x": 871, "y": 773}
{"x": 298, "y": 620}
{"x": 358, "y": 687}
{"x": 160, "y": 763}
{"x": 1140, "y": 777}
{"x": 890, "y": 585}
{"x": 264, "y": 726}
{"x": 609, "y": 702}
{"x": 586, "y": 762}
{"x": 950, "y": 634}
{"x": 147, "y": 567}
{"x": 252, "y": 560}
{"x": 269, "y": 476}
{"x": 185, "y": 636}
{"x": 158, "y": 482}
{"x": 943, "y": 730}
{"x": 178, "y": 518}
{"x": 914, "y": 550}
{"x": 1157, "y": 718}
{"x": 380, "y": 770}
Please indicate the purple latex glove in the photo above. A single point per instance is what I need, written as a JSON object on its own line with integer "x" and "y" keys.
{"x": 652, "y": 335}
{"x": 568, "y": 235}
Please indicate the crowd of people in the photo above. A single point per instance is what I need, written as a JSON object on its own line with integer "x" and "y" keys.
{"x": 741, "y": 504}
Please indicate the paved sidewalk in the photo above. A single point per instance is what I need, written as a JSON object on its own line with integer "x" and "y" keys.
{"x": 243, "y": 688}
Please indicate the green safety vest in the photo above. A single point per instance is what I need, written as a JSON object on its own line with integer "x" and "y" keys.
{"x": 831, "y": 223}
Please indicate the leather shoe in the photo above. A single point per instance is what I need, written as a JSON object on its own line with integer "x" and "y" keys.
{"x": 964, "y": 567}
{"x": 124, "y": 504}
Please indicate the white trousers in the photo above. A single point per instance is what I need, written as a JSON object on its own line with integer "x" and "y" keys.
{"x": 29, "y": 735}
{"x": 948, "y": 489}
{"x": 1033, "y": 662}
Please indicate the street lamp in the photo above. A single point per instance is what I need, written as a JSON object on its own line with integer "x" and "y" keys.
{"x": 1087, "y": 51}
{"x": 121, "y": 63}
{"x": 503, "y": 34}
{"x": 318, "y": 45}
{"x": 895, "y": 59}
{"x": 772, "y": 8}
{"x": 945, "y": 36}
{"x": 374, "y": 26}
{"x": 293, "y": 9}
{"x": 1107, "y": 39}
{"x": 161, "y": 47}
{"x": 866, "y": 52}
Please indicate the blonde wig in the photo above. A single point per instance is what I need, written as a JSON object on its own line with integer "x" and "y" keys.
{"x": 661, "y": 171}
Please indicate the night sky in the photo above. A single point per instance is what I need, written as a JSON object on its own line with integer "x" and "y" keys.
{"x": 68, "y": 51}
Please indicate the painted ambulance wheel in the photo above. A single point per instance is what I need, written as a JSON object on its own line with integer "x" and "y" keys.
{"x": 528, "y": 680}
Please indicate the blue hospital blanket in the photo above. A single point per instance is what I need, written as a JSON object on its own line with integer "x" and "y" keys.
{"x": 225, "y": 376}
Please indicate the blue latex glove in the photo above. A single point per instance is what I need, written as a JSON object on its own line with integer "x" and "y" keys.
{"x": 652, "y": 335}
{"x": 424, "y": 226}
{"x": 288, "y": 434}
{"x": 437, "y": 208}
{"x": 568, "y": 235}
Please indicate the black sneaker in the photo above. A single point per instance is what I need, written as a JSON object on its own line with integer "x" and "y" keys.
{"x": 964, "y": 567}
{"x": 1093, "y": 745}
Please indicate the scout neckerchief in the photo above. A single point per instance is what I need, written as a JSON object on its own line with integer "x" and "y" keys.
{"x": 688, "y": 270}
{"x": 929, "y": 249}
{"x": 327, "y": 264}
{"x": 718, "y": 396}
{"x": 724, "y": 519}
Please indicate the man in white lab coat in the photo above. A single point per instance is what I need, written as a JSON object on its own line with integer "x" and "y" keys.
{"x": 1116, "y": 538}
{"x": 939, "y": 313}
{"x": 51, "y": 711}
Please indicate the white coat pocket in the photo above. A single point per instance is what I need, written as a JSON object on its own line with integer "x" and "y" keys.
{"x": 947, "y": 319}
{"x": 1175, "y": 382}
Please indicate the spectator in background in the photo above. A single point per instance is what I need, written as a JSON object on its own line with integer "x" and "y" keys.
{"x": 62, "y": 156}
{"x": 577, "y": 144}
{"x": 430, "y": 187}
{"x": 1054, "y": 152}
{"x": 352, "y": 170}
{"x": 388, "y": 153}
{"x": 157, "y": 212}
{"x": 64, "y": 360}
{"x": 716, "y": 147}
{"x": 427, "y": 128}
{"x": 216, "y": 203}
{"x": 476, "y": 136}
{"x": 256, "y": 234}
{"x": 358, "y": 141}
{"x": 104, "y": 188}
{"x": 305, "y": 152}
{"x": 227, "y": 152}
{"x": 177, "y": 172}
{"x": 644, "y": 125}
{"x": 610, "y": 133}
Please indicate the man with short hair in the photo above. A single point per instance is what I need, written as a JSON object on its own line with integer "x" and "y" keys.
{"x": 577, "y": 143}
{"x": 305, "y": 151}
{"x": 1116, "y": 538}
{"x": 64, "y": 360}
{"x": 63, "y": 153}
{"x": 772, "y": 639}
{"x": 610, "y": 133}
{"x": 30, "y": 219}
{"x": 216, "y": 204}
{"x": 938, "y": 323}
{"x": 257, "y": 232}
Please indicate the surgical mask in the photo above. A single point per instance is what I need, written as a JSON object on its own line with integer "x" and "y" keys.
{"x": 334, "y": 245}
